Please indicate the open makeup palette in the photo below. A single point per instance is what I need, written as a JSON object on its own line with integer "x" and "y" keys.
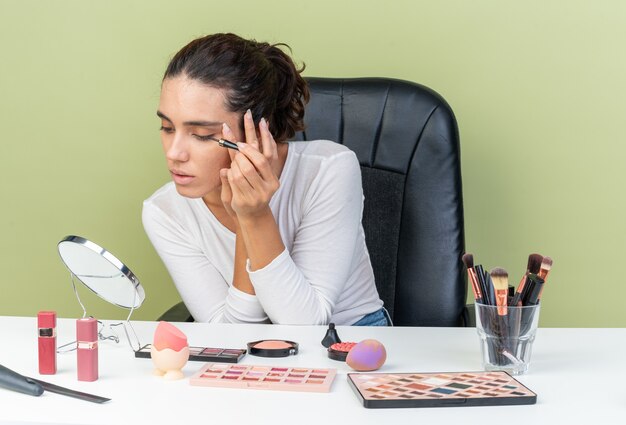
{"x": 385, "y": 390}
{"x": 203, "y": 354}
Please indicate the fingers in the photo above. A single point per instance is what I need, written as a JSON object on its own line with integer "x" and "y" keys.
{"x": 253, "y": 160}
{"x": 270, "y": 150}
{"x": 250, "y": 130}
{"x": 226, "y": 194}
{"x": 244, "y": 175}
{"x": 267, "y": 144}
{"x": 228, "y": 134}
{"x": 252, "y": 163}
{"x": 258, "y": 160}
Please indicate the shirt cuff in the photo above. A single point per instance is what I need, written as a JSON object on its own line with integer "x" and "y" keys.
{"x": 244, "y": 307}
{"x": 276, "y": 263}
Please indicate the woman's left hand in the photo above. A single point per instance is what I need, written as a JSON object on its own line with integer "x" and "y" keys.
{"x": 252, "y": 176}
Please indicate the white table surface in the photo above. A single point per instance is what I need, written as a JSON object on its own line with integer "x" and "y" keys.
{"x": 578, "y": 375}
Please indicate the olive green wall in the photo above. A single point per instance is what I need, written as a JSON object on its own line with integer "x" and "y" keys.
{"x": 537, "y": 86}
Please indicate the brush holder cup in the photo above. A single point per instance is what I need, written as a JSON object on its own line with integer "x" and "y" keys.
{"x": 506, "y": 337}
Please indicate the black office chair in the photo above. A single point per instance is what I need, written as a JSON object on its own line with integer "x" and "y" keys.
{"x": 406, "y": 139}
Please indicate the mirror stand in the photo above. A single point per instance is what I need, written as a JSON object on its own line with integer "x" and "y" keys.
{"x": 107, "y": 277}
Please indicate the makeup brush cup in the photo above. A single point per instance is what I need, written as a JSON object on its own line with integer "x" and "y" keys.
{"x": 506, "y": 340}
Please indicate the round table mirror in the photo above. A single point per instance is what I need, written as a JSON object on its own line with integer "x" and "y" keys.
{"x": 102, "y": 272}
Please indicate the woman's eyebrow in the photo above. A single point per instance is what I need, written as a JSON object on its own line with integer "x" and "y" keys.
{"x": 202, "y": 123}
{"x": 192, "y": 123}
{"x": 163, "y": 116}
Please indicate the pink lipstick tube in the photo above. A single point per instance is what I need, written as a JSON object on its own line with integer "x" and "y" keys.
{"x": 47, "y": 342}
{"x": 87, "y": 349}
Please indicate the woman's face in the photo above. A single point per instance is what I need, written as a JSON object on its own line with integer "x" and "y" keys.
{"x": 189, "y": 112}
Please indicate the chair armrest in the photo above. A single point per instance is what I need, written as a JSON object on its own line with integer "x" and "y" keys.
{"x": 177, "y": 313}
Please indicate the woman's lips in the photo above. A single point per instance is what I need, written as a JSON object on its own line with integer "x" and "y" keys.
{"x": 181, "y": 179}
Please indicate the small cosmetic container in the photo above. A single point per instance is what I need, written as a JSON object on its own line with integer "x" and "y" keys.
{"x": 47, "y": 342}
{"x": 273, "y": 348}
{"x": 87, "y": 349}
{"x": 339, "y": 351}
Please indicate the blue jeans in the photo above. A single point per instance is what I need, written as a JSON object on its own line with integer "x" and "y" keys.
{"x": 377, "y": 318}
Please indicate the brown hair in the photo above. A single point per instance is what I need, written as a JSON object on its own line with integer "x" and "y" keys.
{"x": 256, "y": 76}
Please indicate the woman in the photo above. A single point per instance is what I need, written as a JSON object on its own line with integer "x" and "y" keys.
{"x": 270, "y": 232}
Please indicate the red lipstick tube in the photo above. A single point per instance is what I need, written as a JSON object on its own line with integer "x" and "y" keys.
{"x": 47, "y": 342}
{"x": 87, "y": 349}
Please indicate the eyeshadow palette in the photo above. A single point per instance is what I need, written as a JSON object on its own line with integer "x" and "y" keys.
{"x": 264, "y": 377}
{"x": 385, "y": 390}
{"x": 203, "y": 354}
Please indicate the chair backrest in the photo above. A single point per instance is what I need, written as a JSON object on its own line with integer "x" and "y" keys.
{"x": 406, "y": 138}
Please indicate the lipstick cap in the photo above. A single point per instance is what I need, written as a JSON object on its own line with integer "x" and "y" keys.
{"x": 47, "y": 319}
{"x": 87, "y": 329}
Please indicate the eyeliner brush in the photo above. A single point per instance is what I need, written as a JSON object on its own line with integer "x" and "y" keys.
{"x": 224, "y": 143}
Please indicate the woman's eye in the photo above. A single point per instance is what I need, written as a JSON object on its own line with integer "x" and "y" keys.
{"x": 166, "y": 129}
{"x": 205, "y": 138}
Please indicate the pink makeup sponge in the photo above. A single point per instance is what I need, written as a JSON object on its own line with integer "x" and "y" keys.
{"x": 367, "y": 355}
{"x": 169, "y": 336}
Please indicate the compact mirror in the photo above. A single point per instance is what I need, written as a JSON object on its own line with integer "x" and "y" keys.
{"x": 102, "y": 272}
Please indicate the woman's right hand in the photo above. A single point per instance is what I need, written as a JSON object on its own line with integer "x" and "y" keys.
{"x": 260, "y": 160}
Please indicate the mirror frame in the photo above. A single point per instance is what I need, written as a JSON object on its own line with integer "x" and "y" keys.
{"x": 139, "y": 291}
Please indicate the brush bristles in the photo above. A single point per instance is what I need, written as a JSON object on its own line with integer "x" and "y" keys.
{"x": 534, "y": 263}
{"x": 468, "y": 260}
{"x": 546, "y": 264}
{"x": 500, "y": 279}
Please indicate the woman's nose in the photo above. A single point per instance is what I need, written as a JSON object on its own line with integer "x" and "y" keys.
{"x": 177, "y": 149}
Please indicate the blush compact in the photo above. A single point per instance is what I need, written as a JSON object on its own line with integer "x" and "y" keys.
{"x": 339, "y": 350}
{"x": 273, "y": 348}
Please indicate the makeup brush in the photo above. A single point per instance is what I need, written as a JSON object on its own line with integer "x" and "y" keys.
{"x": 500, "y": 279}
{"x": 498, "y": 323}
{"x": 484, "y": 281}
{"x": 533, "y": 266}
{"x": 546, "y": 265}
{"x": 530, "y": 283}
{"x": 468, "y": 260}
{"x": 530, "y": 298}
{"x": 533, "y": 291}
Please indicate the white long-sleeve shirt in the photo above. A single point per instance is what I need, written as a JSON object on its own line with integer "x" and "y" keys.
{"x": 323, "y": 275}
